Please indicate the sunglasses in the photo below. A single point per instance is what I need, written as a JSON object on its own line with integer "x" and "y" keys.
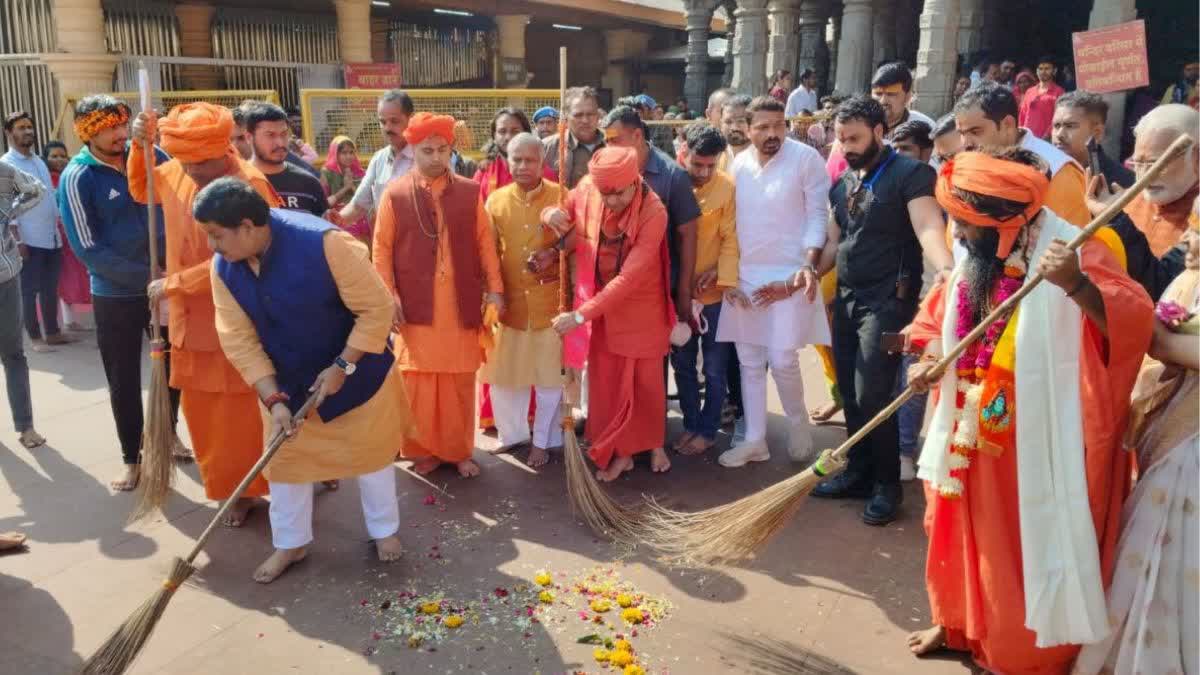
{"x": 859, "y": 200}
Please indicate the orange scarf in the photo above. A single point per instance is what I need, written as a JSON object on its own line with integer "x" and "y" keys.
{"x": 1002, "y": 178}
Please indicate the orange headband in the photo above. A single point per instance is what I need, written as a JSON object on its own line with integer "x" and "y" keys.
{"x": 90, "y": 124}
{"x": 1002, "y": 178}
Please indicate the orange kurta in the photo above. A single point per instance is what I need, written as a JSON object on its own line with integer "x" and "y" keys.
{"x": 973, "y": 572}
{"x": 438, "y": 360}
{"x": 1162, "y": 225}
{"x": 220, "y": 408}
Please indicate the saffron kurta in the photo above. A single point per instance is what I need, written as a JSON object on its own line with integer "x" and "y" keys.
{"x": 974, "y": 569}
{"x": 630, "y": 321}
{"x": 220, "y": 408}
{"x": 362, "y": 440}
{"x": 438, "y": 360}
{"x": 528, "y": 352}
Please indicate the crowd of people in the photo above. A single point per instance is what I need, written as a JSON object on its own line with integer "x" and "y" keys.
{"x": 422, "y": 297}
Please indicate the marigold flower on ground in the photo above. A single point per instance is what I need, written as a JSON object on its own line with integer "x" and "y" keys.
{"x": 546, "y": 597}
{"x": 430, "y": 607}
{"x": 543, "y": 579}
{"x": 600, "y": 605}
{"x": 634, "y": 669}
{"x": 601, "y": 655}
{"x": 453, "y": 621}
{"x": 624, "y": 599}
{"x": 623, "y": 646}
{"x": 632, "y": 615}
{"x": 620, "y": 659}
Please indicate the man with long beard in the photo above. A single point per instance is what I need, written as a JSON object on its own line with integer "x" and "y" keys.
{"x": 1023, "y": 462}
{"x": 220, "y": 408}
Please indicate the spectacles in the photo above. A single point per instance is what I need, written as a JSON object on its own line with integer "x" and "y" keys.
{"x": 860, "y": 200}
{"x": 1140, "y": 167}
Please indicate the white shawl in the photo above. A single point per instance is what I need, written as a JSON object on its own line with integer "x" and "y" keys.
{"x": 1064, "y": 593}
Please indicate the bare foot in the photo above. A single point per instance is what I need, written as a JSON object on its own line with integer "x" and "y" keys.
{"x": 925, "y": 641}
{"x": 31, "y": 439}
{"x": 60, "y": 339}
{"x": 467, "y": 468}
{"x": 824, "y": 413}
{"x": 426, "y": 465}
{"x": 236, "y": 515}
{"x": 12, "y": 540}
{"x": 41, "y": 347}
{"x": 537, "y": 457}
{"x": 616, "y": 467}
{"x": 331, "y": 485}
{"x": 278, "y": 563}
{"x": 389, "y": 548}
{"x": 684, "y": 438}
{"x": 181, "y": 452}
{"x": 128, "y": 480}
{"x": 659, "y": 462}
{"x": 697, "y": 445}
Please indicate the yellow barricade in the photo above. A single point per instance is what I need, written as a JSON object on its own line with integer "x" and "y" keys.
{"x": 351, "y": 112}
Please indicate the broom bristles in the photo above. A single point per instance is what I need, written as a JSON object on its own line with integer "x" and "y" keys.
{"x": 122, "y": 647}
{"x": 590, "y": 502}
{"x": 158, "y": 436}
{"x": 733, "y": 532}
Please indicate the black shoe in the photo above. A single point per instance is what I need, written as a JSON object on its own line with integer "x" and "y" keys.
{"x": 845, "y": 485}
{"x": 884, "y": 505}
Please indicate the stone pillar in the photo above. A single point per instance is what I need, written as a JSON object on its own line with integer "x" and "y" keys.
{"x": 1108, "y": 13}
{"x": 835, "y": 29}
{"x": 510, "y": 33}
{"x": 854, "y": 47}
{"x": 354, "y": 30}
{"x": 82, "y": 64}
{"x": 621, "y": 43}
{"x": 814, "y": 54}
{"x": 730, "y": 31}
{"x": 970, "y": 27}
{"x": 937, "y": 57}
{"x": 750, "y": 48}
{"x": 783, "y": 45}
{"x": 195, "y": 40}
{"x": 695, "y": 83}
{"x": 883, "y": 33}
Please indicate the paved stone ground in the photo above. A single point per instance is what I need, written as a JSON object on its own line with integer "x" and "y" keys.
{"x": 829, "y": 596}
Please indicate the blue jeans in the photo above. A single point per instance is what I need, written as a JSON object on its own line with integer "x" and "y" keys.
{"x": 707, "y": 420}
{"x": 12, "y": 354}
{"x": 911, "y": 415}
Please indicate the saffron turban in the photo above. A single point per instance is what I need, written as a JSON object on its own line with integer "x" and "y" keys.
{"x": 196, "y": 132}
{"x": 986, "y": 175}
{"x": 613, "y": 168}
{"x": 425, "y": 124}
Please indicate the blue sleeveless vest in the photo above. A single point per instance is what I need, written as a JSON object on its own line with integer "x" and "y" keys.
{"x": 301, "y": 320}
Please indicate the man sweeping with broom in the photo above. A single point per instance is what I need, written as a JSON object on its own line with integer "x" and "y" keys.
{"x": 220, "y": 409}
{"x": 1023, "y": 466}
{"x": 299, "y": 308}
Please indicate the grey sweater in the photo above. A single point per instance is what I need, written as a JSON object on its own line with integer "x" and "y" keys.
{"x": 18, "y": 193}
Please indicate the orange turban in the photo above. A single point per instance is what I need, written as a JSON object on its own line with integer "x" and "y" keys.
{"x": 424, "y": 124}
{"x": 614, "y": 168}
{"x": 196, "y": 132}
{"x": 987, "y": 175}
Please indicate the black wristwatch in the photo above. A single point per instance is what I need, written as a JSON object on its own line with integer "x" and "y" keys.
{"x": 347, "y": 367}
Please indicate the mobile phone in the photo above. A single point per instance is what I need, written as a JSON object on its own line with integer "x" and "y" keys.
{"x": 893, "y": 343}
{"x": 1093, "y": 149}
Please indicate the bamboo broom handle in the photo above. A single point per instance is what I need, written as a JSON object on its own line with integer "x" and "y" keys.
{"x": 273, "y": 447}
{"x": 562, "y": 178}
{"x": 151, "y": 211}
{"x": 1175, "y": 150}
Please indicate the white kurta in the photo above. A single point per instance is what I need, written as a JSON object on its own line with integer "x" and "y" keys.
{"x": 782, "y": 211}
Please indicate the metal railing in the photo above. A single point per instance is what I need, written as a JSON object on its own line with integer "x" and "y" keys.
{"x": 433, "y": 56}
{"x": 142, "y": 28}
{"x": 27, "y": 27}
{"x": 27, "y": 84}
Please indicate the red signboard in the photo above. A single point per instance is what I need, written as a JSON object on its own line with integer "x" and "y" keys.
{"x": 372, "y": 75}
{"x": 1112, "y": 58}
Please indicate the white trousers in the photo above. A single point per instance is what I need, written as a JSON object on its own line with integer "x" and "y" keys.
{"x": 292, "y": 508}
{"x": 510, "y": 408}
{"x": 785, "y": 368}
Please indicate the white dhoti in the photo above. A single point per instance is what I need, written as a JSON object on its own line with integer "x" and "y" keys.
{"x": 292, "y": 509}
{"x": 510, "y": 407}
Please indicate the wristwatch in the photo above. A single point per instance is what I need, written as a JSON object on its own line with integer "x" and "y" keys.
{"x": 347, "y": 367}
{"x": 578, "y": 317}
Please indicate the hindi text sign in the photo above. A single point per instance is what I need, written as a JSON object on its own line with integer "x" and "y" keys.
{"x": 1112, "y": 58}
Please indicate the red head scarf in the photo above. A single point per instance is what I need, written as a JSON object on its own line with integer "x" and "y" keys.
{"x": 197, "y": 132}
{"x": 613, "y": 168}
{"x": 424, "y": 124}
{"x": 987, "y": 175}
{"x": 331, "y": 158}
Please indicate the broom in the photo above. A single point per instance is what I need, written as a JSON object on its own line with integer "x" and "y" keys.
{"x": 736, "y": 531}
{"x": 122, "y": 647}
{"x": 589, "y": 501}
{"x": 158, "y": 434}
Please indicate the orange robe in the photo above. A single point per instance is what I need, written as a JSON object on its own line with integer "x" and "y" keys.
{"x": 973, "y": 571}
{"x": 1163, "y": 225}
{"x": 221, "y": 410}
{"x": 629, "y": 313}
{"x": 439, "y": 360}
